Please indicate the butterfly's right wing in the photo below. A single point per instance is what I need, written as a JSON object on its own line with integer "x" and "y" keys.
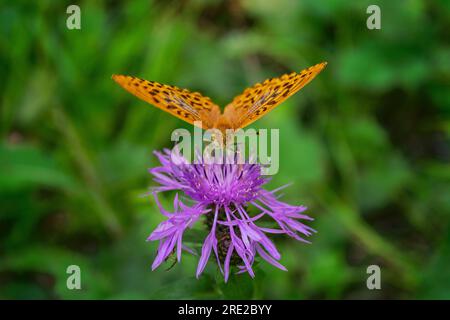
{"x": 183, "y": 104}
{"x": 262, "y": 98}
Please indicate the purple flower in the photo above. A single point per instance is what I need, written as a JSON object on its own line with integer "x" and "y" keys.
{"x": 223, "y": 193}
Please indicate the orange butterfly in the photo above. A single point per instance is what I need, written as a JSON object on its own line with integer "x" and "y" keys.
{"x": 246, "y": 108}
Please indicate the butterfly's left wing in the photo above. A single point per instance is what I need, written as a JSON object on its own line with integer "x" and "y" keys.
{"x": 181, "y": 103}
{"x": 260, "y": 99}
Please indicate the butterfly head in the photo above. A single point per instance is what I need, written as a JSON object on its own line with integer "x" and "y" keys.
{"x": 223, "y": 124}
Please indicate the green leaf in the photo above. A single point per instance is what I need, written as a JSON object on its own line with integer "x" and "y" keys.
{"x": 29, "y": 167}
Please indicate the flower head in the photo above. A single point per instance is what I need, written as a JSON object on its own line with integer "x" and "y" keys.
{"x": 223, "y": 194}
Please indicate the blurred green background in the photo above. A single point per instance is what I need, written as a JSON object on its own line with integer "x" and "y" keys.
{"x": 366, "y": 144}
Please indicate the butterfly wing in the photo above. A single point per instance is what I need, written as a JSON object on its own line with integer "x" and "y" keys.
{"x": 183, "y": 104}
{"x": 260, "y": 99}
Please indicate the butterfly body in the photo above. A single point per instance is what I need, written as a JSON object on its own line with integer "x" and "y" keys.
{"x": 197, "y": 109}
{"x": 223, "y": 123}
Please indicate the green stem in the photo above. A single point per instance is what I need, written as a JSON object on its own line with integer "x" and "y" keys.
{"x": 373, "y": 241}
{"x": 87, "y": 169}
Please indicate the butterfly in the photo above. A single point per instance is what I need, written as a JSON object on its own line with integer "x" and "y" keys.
{"x": 199, "y": 110}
